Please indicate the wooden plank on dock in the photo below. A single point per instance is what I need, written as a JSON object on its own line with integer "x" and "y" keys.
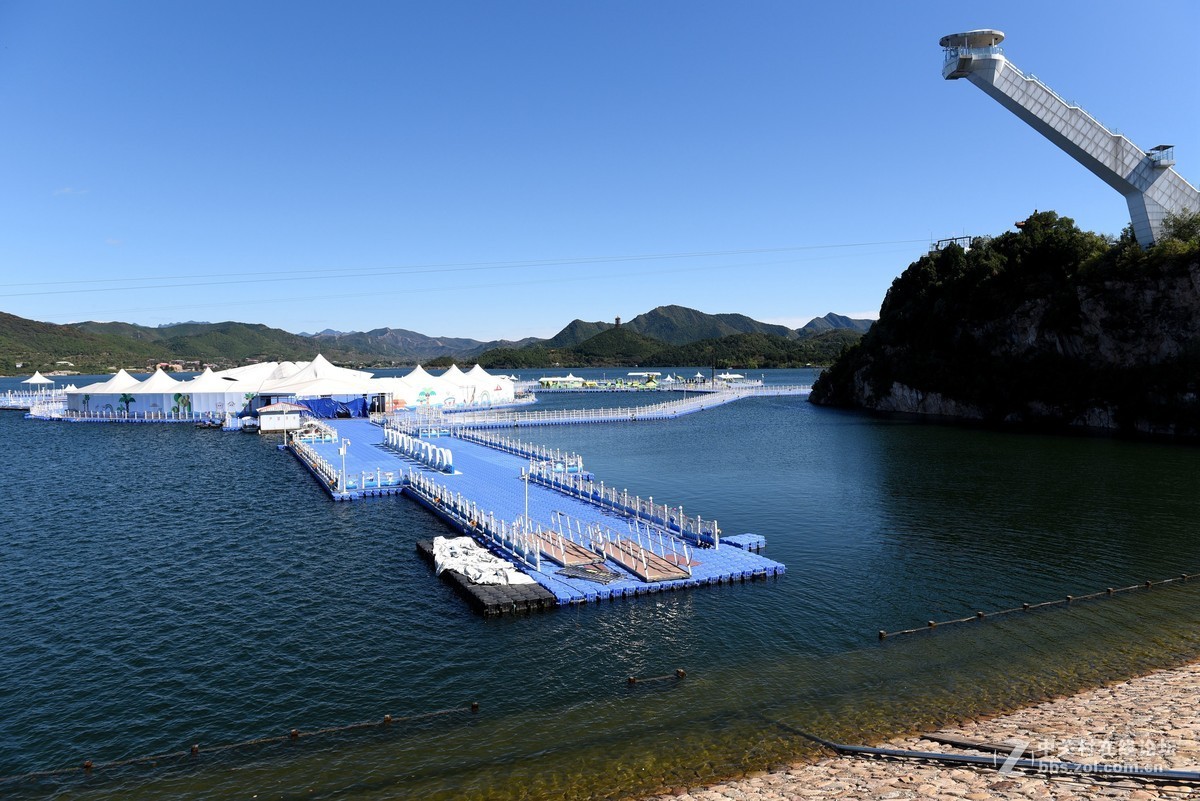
{"x": 562, "y": 551}
{"x": 645, "y": 564}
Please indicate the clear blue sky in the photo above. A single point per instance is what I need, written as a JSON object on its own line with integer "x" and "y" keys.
{"x": 493, "y": 169}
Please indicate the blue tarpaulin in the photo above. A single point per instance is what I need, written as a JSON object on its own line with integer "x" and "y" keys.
{"x": 329, "y": 408}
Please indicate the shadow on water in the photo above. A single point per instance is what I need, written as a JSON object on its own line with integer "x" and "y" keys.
{"x": 167, "y": 586}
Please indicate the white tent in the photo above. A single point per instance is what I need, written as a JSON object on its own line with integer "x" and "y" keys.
{"x": 487, "y": 389}
{"x": 501, "y": 388}
{"x": 400, "y": 394}
{"x": 454, "y": 389}
{"x": 348, "y": 382}
{"x": 120, "y": 382}
{"x": 104, "y": 396}
{"x": 431, "y": 390}
{"x": 38, "y": 380}
{"x": 215, "y": 394}
{"x": 331, "y": 387}
{"x": 160, "y": 394}
{"x": 464, "y": 390}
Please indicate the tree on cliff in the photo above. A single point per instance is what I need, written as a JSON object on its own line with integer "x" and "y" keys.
{"x": 1048, "y": 323}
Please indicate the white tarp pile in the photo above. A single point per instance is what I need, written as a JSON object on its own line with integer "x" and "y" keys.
{"x": 464, "y": 555}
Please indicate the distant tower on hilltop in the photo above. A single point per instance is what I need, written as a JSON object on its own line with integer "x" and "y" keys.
{"x": 618, "y": 325}
{"x": 1146, "y": 179}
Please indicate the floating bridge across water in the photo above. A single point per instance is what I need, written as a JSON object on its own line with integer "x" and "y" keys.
{"x": 666, "y": 410}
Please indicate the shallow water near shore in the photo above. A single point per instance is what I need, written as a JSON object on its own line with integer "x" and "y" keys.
{"x": 164, "y": 586}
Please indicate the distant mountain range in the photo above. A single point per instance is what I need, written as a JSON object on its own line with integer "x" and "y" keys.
{"x": 94, "y": 346}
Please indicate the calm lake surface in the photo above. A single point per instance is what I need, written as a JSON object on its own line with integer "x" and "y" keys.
{"x": 162, "y": 586}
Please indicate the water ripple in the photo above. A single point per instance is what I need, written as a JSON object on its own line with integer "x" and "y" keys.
{"x": 163, "y": 586}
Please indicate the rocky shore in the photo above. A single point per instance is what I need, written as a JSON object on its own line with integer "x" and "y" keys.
{"x": 1150, "y": 722}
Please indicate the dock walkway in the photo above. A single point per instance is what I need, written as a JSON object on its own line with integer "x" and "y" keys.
{"x": 666, "y": 410}
{"x": 487, "y": 487}
{"x": 23, "y": 400}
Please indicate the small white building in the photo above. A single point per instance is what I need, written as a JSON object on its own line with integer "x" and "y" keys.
{"x": 282, "y": 416}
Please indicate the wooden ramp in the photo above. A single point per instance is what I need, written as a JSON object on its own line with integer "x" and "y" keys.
{"x": 562, "y": 551}
{"x": 643, "y": 563}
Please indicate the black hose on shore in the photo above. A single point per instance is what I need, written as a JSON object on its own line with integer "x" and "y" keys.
{"x": 1046, "y": 767}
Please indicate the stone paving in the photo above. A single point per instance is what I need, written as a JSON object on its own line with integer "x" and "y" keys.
{"x": 1152, "y": 722}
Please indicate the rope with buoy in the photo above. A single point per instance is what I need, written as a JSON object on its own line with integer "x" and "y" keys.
{"x": 1026, "y": 607}
{"x": 88, "y": 765}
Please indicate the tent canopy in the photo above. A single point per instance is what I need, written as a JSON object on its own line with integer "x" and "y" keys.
{"x": 159, "y": 382}
{"x": 38, "y": 378}
{"x": 121, "y": 382}
{"x": 208, "y": 381}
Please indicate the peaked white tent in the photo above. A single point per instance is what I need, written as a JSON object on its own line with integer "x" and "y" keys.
{"x": 431, "y": 390}
{"x": 37, "y": 380}
{"x": 452, "y": 389}
{"x": 307, "y": 380}
{"x": 160, "y": 394}
{"x": 500, "y": 388}
{"x": 104, "y": 397}
{"x": 216, "y": 393}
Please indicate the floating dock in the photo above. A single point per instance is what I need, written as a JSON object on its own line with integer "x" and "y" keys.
{"x": 666, "y": 410}
{"x": 581, "y": 541}
{"x": 493, "y": 599}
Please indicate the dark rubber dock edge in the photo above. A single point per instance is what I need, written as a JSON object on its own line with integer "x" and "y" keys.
{"x": 493, "y": 599}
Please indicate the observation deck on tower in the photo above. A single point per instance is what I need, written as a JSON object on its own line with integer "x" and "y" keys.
{"x": 1145, "y": 178}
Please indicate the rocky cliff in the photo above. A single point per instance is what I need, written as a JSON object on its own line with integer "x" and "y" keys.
{"x": 1047, "y": 325}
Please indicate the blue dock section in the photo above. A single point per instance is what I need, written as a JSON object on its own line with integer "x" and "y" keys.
{"x": 487, "y": 484}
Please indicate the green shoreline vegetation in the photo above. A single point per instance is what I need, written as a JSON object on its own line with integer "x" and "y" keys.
{"x": 1049, "y": 325}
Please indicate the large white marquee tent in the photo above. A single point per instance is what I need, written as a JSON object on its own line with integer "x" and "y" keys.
{"x": 324, "y": 385}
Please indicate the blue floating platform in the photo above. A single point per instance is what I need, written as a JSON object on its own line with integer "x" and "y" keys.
{"x": 492, "y": 480}
{"x": 747, "y": 542}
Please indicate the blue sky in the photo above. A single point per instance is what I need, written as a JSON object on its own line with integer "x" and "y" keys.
{"x": 497, "y": 169}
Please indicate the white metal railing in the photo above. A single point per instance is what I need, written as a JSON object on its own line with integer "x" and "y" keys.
{"x": 317, "y": 462}
{"x": 705, "y": 533}
{"x": 48, "y": 409}
{"x": 313, "y": 429}
{"x": 26, "y": 398}
{"x": 645, "y": 541}
{"x": 657, "y": 411}
{"x": 562, "y": 460}
{"x": 507, "y": 537}
{"x": 153, "y": 416}
{"x": 953, "y": 53}
{"x": 373, "y": 479}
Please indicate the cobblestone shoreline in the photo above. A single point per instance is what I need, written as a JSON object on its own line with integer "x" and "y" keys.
{"x": 1150, "y": 722}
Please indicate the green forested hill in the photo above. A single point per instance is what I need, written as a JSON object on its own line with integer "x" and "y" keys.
{"x": 617, "y": 347}
{"x": 40, "y": 346}
{"x": 575, "y": 332}
{"x": 683, "y": 336}
{"x": 1048, "y": 325}
{"x": 678, "y": 325}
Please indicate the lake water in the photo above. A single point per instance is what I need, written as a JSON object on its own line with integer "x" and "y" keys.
{"x": 162, "y": 586}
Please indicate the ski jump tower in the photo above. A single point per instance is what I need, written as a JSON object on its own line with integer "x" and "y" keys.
{"x": 1146, "y": 179}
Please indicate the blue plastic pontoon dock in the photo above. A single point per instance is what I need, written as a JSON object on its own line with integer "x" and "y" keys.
{"x": 492, "y": 481}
